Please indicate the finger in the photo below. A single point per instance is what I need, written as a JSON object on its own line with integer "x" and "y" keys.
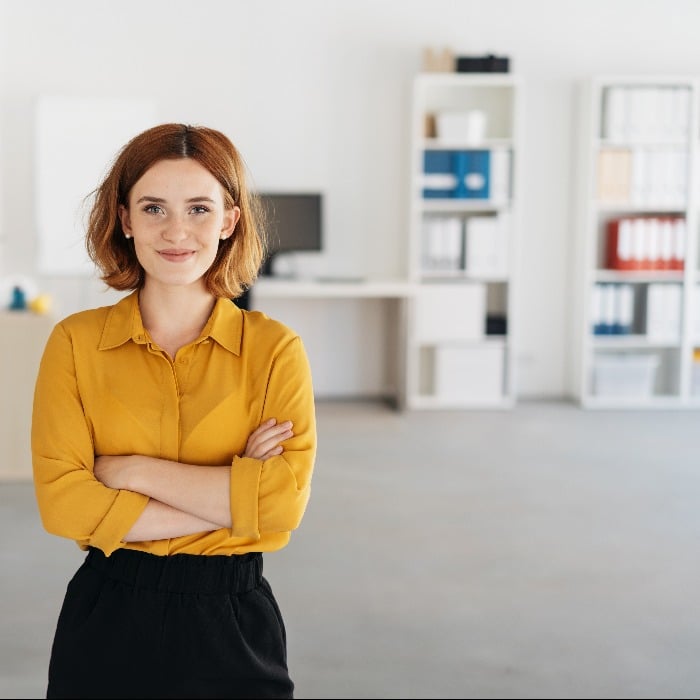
{"x": 272, "y": 433}
{"x": 266, "y": 425}
{"x": 273, "y": 422}
{"x": 275, "y": 433}
{"x": 277, "y": 450}
{"x": 272, "y": 441}
{"x": 273, "y": 453}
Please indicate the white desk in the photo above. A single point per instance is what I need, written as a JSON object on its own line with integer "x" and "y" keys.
{"x": 270, "y": 288}
{"x": 353, "y": 331}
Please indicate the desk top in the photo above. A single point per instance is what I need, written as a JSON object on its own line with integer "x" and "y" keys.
{"x": 268, "y": 288}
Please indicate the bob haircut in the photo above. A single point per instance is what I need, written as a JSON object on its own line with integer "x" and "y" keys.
{"x": 239, "y": 257}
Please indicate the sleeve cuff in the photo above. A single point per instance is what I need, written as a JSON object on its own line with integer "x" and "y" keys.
{"x": 125, "y": 510}
{"x": 245, "y": 488}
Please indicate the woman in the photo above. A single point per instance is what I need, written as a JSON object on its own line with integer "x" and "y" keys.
{"x": 173, "y": 437}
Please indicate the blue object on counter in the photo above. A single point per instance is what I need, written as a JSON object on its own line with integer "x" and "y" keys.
{"x": 19, "y": 301}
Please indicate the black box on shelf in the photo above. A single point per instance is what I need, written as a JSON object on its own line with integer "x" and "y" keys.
{"x": 482, "y": 64}
{"x": 496, "y": 324}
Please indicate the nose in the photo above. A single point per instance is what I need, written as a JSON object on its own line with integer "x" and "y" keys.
{"x": 175, "y": 230}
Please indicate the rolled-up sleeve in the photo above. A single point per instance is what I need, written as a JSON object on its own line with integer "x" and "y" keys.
{"x": 72, "y": 502}
{"x": 271, "y": 496}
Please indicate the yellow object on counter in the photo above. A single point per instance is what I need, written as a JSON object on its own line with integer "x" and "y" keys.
{"x": 41, "y": 304}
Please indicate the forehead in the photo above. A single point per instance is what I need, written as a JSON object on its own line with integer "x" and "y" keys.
{"x": 177, "y": 177}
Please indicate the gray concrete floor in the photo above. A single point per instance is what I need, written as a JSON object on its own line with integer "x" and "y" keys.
{"x": 544, "y": 552}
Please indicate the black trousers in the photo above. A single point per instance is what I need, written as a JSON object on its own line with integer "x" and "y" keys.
{"x": 137, "y": 625}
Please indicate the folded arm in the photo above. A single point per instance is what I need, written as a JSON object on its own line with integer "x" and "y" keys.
{"x": 186, "y": 498}
{"x": 159, "y": 521}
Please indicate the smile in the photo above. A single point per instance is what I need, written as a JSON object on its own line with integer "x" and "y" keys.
{"x": 175, "y": 255}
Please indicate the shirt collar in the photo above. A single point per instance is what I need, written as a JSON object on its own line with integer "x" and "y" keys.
{"x": 225, "y": 325}
{"x": 124, "y": 323}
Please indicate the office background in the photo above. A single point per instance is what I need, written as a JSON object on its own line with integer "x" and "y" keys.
{"x": 317, "y": 96}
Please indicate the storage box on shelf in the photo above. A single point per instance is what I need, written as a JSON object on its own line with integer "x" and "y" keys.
{"x": 637, "y": 250}
{"x": 462, "y": 241}
{"x": 625, "y": 375}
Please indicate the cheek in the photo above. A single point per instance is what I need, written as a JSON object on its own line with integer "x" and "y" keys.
{"x": 139, "y": 250}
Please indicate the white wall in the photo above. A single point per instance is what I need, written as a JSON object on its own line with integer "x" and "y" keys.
{"x": 316, "y": 93}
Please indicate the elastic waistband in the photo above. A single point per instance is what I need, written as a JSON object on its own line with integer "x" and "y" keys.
{"x": 180, "y": 573}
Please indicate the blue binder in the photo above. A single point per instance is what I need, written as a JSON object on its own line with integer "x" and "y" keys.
{"x": 473, "y": 171}
{"x": 438, "y": 163}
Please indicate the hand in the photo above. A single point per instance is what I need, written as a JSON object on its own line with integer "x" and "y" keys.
{"x": 264, "y": 441}
{"x": 113, "y": 470}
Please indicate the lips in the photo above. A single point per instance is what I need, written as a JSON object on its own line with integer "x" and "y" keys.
{"x": 175, "y": 254}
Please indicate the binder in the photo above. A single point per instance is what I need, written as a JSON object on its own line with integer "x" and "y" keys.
{"x": 678, "y": 226}
{"x": 486, "y": 248}
{"x": 663, "y": 312}
{"x": 443, "y": 243}
{"x": 614, "y": 175}
{"x": 597, "y": 310}
{"x": 609, "y": 308}
{"x": 666, "y": 247}
{"x": 500, "y": 175}
{"x": 625, "y": 307}
{"x": 439, "y": 177}
{"x": 472, "y": 169}
{"x": 619, "y": 246}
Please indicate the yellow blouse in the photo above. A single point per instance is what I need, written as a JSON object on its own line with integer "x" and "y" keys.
{"x": 104, "y": 388}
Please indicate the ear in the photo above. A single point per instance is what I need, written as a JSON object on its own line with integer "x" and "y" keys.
{"x": 125, "y": 220}
{"x": 231, "y": 218}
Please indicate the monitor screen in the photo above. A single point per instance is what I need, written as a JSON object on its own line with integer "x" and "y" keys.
{"x": 292, "y": 221}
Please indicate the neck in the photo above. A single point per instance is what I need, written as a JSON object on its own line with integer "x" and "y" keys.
{"x": 176, "y": 315}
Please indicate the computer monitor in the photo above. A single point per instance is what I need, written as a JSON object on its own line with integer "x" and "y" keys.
{"x": 293, "y": 223}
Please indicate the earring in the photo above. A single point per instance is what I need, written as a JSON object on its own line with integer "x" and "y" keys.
{"x": 127, "y": 235}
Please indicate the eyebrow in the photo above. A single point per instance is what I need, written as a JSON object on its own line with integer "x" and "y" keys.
{"x": 160, "y": 200}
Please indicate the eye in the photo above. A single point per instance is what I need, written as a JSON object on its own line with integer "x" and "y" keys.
{"x": 153, "y": 209}
{"x": 199, "y": 209}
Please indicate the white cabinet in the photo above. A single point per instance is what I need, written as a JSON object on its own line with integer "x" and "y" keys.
{"x": 637, "y": 254}
{"x": 23, "y": 336}
{"x": 462, "y": 241}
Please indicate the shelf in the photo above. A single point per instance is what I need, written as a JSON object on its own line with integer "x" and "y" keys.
{"x": 638, "y": 276}
{"x": 607, "y": 208}
{"x": 628, "y": 342}
{"x": 449, "y": 363}
{"x": 294, "y": 288}
{"x": 460, "y": 205}
{"x": 436, "y": 144}
{"x": 629, "y": 168}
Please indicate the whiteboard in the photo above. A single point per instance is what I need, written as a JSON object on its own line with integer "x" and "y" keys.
{"x": 77, "y": 138}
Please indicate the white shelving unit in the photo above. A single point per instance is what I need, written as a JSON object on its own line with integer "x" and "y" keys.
{"x": 637, "y": 313}
{"x": 462, "y": 241}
